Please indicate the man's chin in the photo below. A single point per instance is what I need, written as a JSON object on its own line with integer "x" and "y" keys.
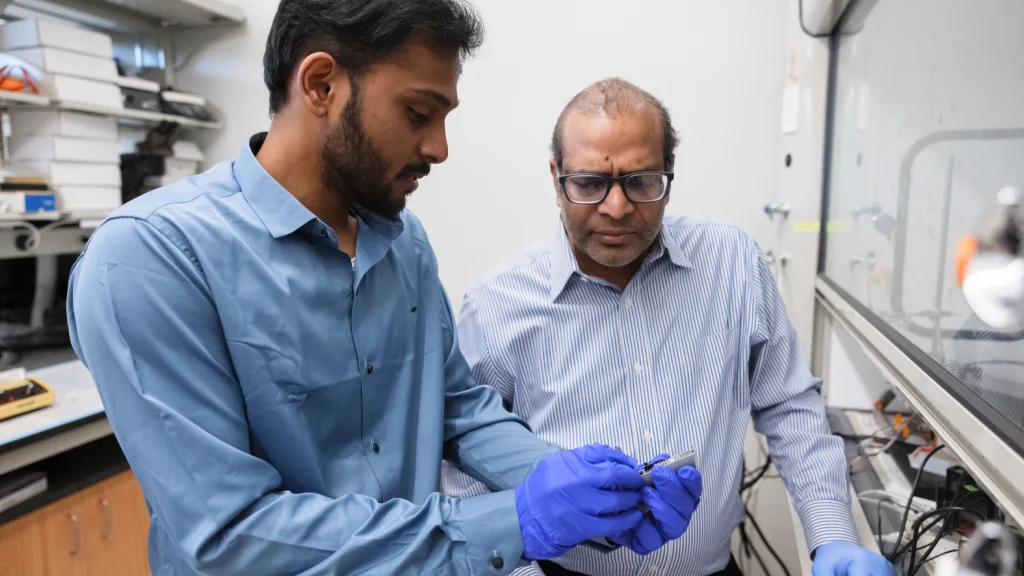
{"x": 614, "y": 257}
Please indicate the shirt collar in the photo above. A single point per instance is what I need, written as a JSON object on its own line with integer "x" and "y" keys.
{"x": 564, "y": 264}
{"x": 277, "y": 208}
{"x": 279, "y": 211}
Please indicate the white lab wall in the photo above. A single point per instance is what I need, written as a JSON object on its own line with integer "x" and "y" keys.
{"x": 719, "y": 66}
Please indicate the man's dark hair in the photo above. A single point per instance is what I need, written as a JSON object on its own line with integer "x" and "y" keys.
{"x": 615, "y": 96}
{"x": 360, "y": 33}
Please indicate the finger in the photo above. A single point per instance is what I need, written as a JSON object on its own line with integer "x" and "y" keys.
{"x": 604, "y": 502}
{"x": 659, "y": 458}
{"x": 819, "y": 568}
{"x": 856, "y": 568}
{"x": 598, "y": 453}
{"x": 671, "y": 490}
{"x": 613, "y": 523}
{"x": 692, "y": 481}
{"x": 648, "y": 537}
{"x": 614, "y": 476}
{"x": 669, "y": 521}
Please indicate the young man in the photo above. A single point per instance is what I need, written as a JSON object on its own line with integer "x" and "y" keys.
{"x": 656, "y": 334}
{"x": 278, "y": 359}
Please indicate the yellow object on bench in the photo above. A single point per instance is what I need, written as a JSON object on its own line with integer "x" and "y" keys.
{"x": 21, "y": 396}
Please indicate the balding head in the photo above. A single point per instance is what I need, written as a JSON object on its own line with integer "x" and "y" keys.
{"x": 615, "y": 97}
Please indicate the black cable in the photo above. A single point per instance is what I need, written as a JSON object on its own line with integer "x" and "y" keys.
{"x": 906, "y": 511}
{"x": 949, "y": 516}
{"x": 912, "y": 570}
{"x": 757, "y": 475}
{"x": 925, "y": 529}
{"x": 771, "y": 550}
{"x": 749, "y": 547}
{"x": 947, "y": 552}
{"x": 881, "y": 548}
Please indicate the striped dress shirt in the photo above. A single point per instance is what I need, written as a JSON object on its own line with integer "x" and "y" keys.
{"x": 696, "y": 345}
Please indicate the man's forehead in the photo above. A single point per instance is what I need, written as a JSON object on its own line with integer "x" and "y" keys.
{"x": 634, "y": 135}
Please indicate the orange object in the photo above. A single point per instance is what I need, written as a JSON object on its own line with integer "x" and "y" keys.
{"x": 965, "y": 251}
{"x": 12, "y": 85}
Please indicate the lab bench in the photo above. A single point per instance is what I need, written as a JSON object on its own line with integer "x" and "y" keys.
{"x": 92, "y": 519}
{"x": 888, "y": 471}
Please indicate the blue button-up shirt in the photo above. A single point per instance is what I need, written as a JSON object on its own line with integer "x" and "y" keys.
{"x": 284, "y": 411}
{"x": 697, "y": 343}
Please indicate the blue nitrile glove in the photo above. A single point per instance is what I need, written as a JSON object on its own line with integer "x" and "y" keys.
{"x": 672, "y": 501}
{"x": 846, "y": 559}
{"x": 575, "y": 496}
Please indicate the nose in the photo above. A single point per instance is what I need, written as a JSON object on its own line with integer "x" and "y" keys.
{"x": 616, "y": 206}
{"x": 434, "y": 146}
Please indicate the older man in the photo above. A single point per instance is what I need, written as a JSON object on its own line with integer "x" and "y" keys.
{"x": 656, "y": 334}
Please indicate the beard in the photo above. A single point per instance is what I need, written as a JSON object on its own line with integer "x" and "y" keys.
{"x": 583, "y": 238}
{"x": 355, "y": 168}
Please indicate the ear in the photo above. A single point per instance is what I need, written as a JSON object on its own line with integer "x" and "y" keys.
{"x": 554, "y": 180}
{"x": 322, "y": 84}
{"x": 670, "y": 163}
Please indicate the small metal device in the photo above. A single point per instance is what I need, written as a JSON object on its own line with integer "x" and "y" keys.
{"x": 675, "y": 463}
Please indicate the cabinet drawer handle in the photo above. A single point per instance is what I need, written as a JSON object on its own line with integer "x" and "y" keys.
{"x": 76, "y": 536}
{"x": 107, "y": 524}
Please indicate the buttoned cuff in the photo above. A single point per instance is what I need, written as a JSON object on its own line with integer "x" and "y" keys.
{"x": 827, "y": 521}
{"x": 489, "y": 525}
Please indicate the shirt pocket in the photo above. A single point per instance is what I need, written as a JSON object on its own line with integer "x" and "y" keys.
{"x": 706, "y": 367}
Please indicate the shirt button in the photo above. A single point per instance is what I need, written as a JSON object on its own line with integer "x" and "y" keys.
{"x": 497, "y": 561}
{"x": 629, "y": 302}
{"x": 376, "y": 448}
{"x": 655, "y": 570}
{"x": 648, "y": 437}
{"x": 638, "y": 368}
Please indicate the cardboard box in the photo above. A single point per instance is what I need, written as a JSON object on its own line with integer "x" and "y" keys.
{"x": 27, "y": 202}
{"x": 49, "y": 148}
{"x": 28, "y": 123}
{"x": 57, "y": 61}
{"x": 78, "y": 174}
{"x": 70, "y": 89}
{"x": 36, "y": 33}
{"x": 91, "y": 199}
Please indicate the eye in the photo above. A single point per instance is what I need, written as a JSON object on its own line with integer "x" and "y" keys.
{"x": 418, "y": 118}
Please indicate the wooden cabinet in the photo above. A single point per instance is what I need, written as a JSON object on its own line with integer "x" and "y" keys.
{"x": 100, "y": 531}
{"x": 22, "y": 549}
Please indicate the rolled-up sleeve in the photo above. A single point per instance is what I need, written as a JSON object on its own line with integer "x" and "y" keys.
{"x": 144, "y": 322}
{"x": 788, "y": 409}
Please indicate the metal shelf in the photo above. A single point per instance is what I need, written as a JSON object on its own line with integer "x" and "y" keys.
{"x": 138, "y": 117}
{"x": 8, "y": 98}
{"x": 31, "y": 217}
{"x": 129, "y": 15}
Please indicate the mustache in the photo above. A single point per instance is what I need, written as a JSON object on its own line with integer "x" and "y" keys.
{"x": 414, "y": 171}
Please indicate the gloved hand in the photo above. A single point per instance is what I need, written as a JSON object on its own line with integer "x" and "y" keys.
{"x": 575, "y": 496}
{"x": 672, "y": 502}
{"x": 846, "y": 559}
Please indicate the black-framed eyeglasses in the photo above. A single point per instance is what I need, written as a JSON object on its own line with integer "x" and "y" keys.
{"x": 639, "y": 187}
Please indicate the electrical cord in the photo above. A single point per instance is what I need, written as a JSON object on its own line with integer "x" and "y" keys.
{"x": 748, "y": 547}
{"x": 906, "y": 510}
{"x": 912, "y": 570}
{"x": 940, "y": 555}
{"x": 757, "y": 475}
{"x": 949, "y": 517}
{"x": 771, "y": 550}
{"x": 878, "y": 531}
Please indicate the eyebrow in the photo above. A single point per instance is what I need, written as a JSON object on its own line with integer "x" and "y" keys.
{"x": 652, "y": 168}
{"x": 437, "y": 97}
